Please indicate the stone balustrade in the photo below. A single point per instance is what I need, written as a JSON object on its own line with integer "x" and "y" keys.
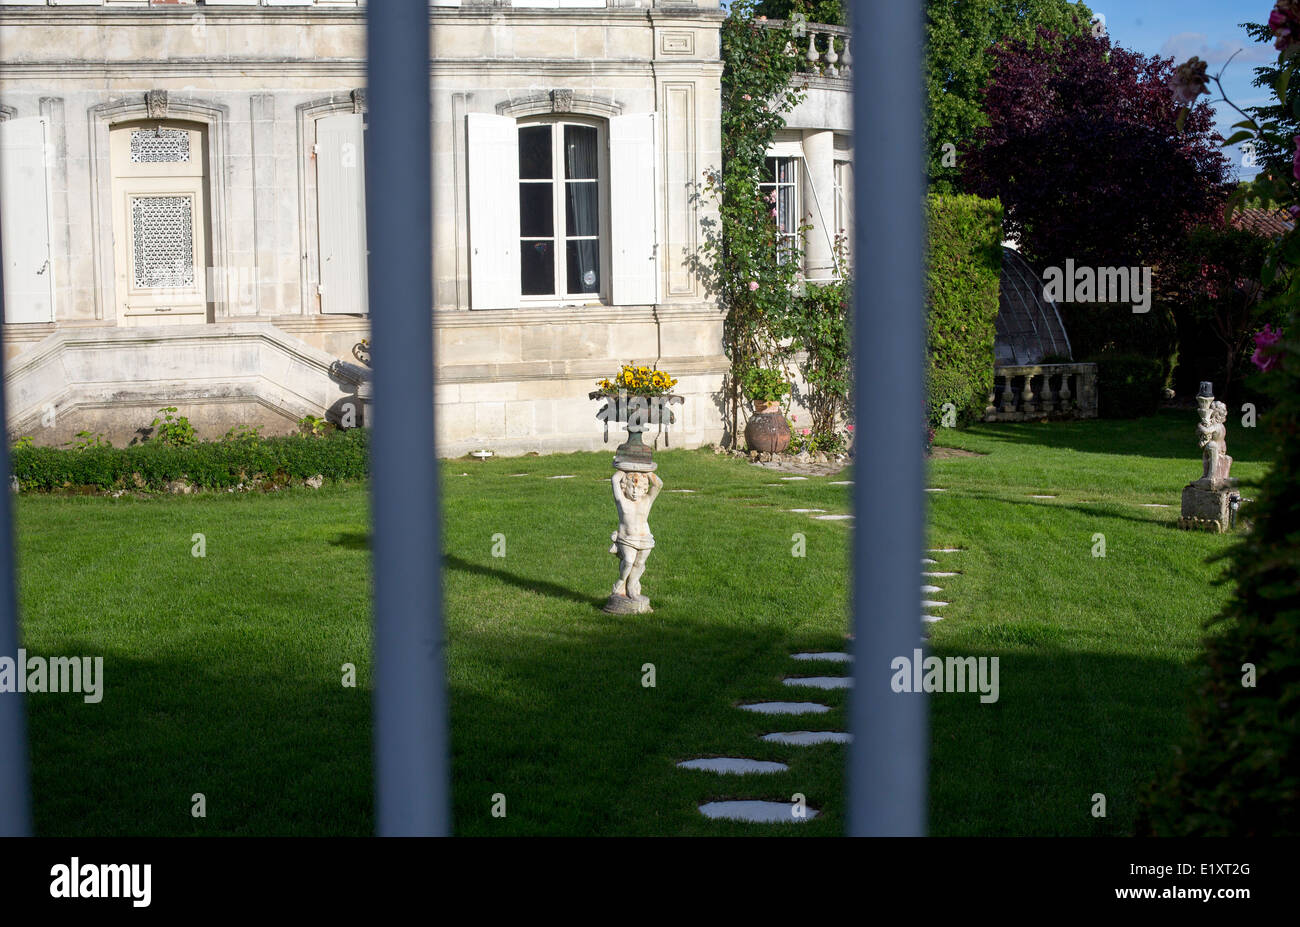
{"x": 1039, "y": 391}
{"x": 822, "y": 49}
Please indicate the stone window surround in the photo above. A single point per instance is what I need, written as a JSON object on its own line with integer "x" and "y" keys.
{"x": 306, "y": 114}
{"x": 156, "y": 104}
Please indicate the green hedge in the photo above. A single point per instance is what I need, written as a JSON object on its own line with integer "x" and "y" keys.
{"x": 1128, "y": 385}
{"x": 963, "y": 280}
{"x": 210, "y": 465}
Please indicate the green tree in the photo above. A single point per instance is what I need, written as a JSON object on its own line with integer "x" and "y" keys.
{"x": 1273, "y": 157}
{"x": 830, "y": 12}
{"x": 958, "y": 66}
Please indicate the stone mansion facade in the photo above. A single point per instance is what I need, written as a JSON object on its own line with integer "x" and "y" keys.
{"x": 182, "y": 211}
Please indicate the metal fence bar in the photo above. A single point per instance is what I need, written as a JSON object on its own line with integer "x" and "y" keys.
{"x": 15, "y": 810}
{"x": 888, "y": 757}
{"x": 410, "y": 699}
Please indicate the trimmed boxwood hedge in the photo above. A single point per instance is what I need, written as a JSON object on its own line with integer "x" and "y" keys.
{"x": 1128, "y": 385}
{"x": 963, "y": 281}
{"x": 210, "y": 465}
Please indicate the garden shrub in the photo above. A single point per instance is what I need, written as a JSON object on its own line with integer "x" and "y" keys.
{"x": 207, "y": 465}
{"x": 1128, "y": 385}
{"x": 963, "y": 280}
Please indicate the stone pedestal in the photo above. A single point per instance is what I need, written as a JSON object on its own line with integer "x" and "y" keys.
{"x": 628, "y": 605}
{"x": 1207, "y": 509}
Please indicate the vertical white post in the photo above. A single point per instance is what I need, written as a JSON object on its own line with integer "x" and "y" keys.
{"x": 888, "y": 757}
{"x": 410, "y": 698}
{"x": 15, "y": 811}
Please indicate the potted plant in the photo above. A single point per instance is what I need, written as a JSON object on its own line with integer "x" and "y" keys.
{"x": 767, "y": 431}
{"x": 637, "y": 396}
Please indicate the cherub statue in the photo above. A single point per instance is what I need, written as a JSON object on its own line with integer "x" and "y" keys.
{"x": 634, "y": 493}
{"x": 1211, "y": 435}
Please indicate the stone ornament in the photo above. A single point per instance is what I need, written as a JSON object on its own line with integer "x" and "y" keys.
{"x": 634, "y": 493}
{"x": 1209, "y": 502}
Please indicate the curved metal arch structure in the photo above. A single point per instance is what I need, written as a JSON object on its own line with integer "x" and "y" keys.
{"x": 1029, "y": 327}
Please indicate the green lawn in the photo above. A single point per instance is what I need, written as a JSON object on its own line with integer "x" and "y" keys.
{"x": 222, "y": 673}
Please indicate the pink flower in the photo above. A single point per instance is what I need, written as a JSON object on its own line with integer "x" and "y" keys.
{"x": 1266, "y": 354}
{"x": 753, "y": 285}
{"x": 850, "y": 427}
{"x": 1284, "y": 22}
{"x": 747, "y": 98}
{"x": 807, "y": 431}
{"x": 1189, "y": 81}
{"x": 773, "y": 213}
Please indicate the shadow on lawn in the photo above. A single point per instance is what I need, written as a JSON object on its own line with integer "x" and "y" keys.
{"x": 542, "y": 586}
{"x": 275, "y": 750}
{"x": 1170, "y": 433}
{"x": 1089, "y": 509}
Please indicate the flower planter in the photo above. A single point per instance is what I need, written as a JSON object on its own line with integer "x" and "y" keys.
{"x": 636, "y": 413}
{"x": 767, "y": 430}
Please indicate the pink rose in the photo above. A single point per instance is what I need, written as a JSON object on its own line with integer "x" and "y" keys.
{"x": 747, "y": 98}
{"x": 773, "y": 213}
{"x": 1266, "y": 342}
{"x": 807, "y": 431}
{"x": 753, "y": 285}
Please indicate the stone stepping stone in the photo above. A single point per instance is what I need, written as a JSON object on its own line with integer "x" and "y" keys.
{"x": 807, "y": 511}
{"x": 733, "y": 765}
{"x": 829, "y": 656}
{"x": 929, "y": 603}
{"x": 785, "y": 708}
{"x": 759, "y": 812}
{"x": 928, "y": 560}
{"x": 841, "y": 483}
{"x": 790, "y": 478}
{"x": 562, "y": 476}
{"x": 521, "y": 474}
{"x": 808, "y": 738}
{"x": 819, "y": 682}
{"x": 945, "y": 550}
{"x": 930, "y": 619}
{"x": 671, "y": 490}
{"x": 1042, "y": 497}
{"x": 1155, "y": 505}
{"x": 930, "y": 588}
{"x": 832, "y": 517}
{"x": 934, "y": 489}
{"x": 940, "y": 574}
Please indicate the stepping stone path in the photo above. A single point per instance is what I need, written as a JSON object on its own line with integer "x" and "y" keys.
{"x": 563, "y": 476}
{"x": 930, "y": 603}
{"x": 1155, "y": 505}
{"x": 936, "y": 573}
{"x": 791, "y": 478}
{"x": 944, "y": 550}
{"x": 833, "y": 517}
{"x": 671, "y": 490}
{"x": 819, "y": 682}
{"x": 807, "y": 511}
{"x": 761, "y": 812}
{"x": 930, "y": 588}
{"x": 928, "y": 560}
{"x": 785, "y": 708}
{"x": 930, "y": 619}
{"x": 932, "y": 489}
{"x": 828, "y": 656}
{"x": 841, "y": 483}
{"x": 808, "y": 738}
{"x": 733, "y": 765}
{"x": 1042, "y": 497}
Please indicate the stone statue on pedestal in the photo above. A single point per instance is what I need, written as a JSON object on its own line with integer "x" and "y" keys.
{"x": 1208, "y": 501}
{"x": 634, "y": 494}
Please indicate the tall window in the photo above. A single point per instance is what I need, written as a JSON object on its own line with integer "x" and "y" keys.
{"x": 844, "y": 205}
{"x": 562, "y": 211}
{"x": 782, "y": 178}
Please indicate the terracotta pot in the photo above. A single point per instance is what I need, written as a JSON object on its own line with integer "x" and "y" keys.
{"x": 767, "y": 432}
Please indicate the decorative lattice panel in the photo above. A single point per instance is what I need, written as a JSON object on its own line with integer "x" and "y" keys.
{"x": 152, "y": 146}
{"x": 163, "y": 241}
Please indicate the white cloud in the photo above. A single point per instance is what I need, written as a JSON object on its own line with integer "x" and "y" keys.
{"x": 1186, "y": 44}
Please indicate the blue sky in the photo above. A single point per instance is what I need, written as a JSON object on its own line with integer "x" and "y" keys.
{"x": 1207, "y": 28}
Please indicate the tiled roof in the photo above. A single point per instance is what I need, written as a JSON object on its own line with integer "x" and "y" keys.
{"x": 1271, "y": 223}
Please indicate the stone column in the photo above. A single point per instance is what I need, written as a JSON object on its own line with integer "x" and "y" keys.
{"x": 819, "y": 202}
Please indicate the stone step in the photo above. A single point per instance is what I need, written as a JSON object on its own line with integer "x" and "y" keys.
{"x": 819, "y": 682}
{"x": 930, "y": 588}
{"x": 785, "y": 708}
{"x": 940, "y": 573}
{"x": 733, "y": 765}
{"x": 930, "y": 619}
{"x": 828, "y": 656}
{"x": 930, "y": 603}
{"x": 808, "y": 738}
{"x": 832, "y": 517}
{"x": 760, "y": 812}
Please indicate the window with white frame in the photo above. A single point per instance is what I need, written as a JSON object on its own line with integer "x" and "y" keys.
{"x": 781, "y": 185}
{"x": 844, "y": 206}
{"x": 562, "y": 211}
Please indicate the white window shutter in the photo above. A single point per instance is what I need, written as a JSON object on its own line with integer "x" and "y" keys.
{"x": 341, "y": 204}
{"x": 634, "y": 252}
{"x": 493, "y": 212}
{"x": 25, "y": 222}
